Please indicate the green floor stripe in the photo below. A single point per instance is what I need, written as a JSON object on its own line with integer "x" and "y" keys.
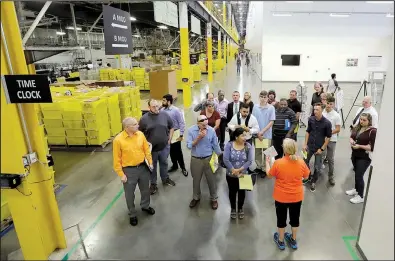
{"x": 349, "y": 247}
{"x": 87, "y": 232}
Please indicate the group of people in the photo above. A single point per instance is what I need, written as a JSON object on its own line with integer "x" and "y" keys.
{"x": 239, "y": 57}
{"x": 142, "y": 145}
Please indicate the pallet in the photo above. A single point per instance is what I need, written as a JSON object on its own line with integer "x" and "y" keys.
{"x": 84, "y": 148}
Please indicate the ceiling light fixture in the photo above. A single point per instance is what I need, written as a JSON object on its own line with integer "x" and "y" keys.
{"x": 379, "y": 2}
{"x": 60, "y": 33}
{"x": 339, "y": 15}
{"x": 133, "y": 18}
{"x": 299, "y": 2}
{"x": 193, "y": 35}
{"x": 72, "y": 28}
{"x": 282, "y": 14}
{"x": 390, "y": 15}
{"x": 136, "y": 35}
{"x": 162, "y": 27}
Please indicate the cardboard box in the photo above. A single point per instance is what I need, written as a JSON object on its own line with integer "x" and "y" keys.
{"x": 110, "y": 83}
{"x": 161, "y": 83}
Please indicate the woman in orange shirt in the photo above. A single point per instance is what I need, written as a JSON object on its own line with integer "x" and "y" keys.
{"x": 288, "y": 191}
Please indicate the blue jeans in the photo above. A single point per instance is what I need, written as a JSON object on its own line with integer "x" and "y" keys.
{"x": 160, "y": 156}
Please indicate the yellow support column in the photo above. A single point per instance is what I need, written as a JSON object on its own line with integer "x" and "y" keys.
{"x": 209, "y": 53}
{"x": 219, "y": 56}
{"x": 33, "y": 206}
{"x": 184, "y": 47}
{"x": 224, "y": 13}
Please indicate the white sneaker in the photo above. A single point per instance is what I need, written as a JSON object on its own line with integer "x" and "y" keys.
{"x": 352, "y": 192}
{"x": 356, "y": 200}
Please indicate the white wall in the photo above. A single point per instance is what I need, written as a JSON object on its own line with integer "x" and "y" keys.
{"x": 377, "y": 233}
{"x": 321, "y": 56}
{"x": 254, "y": 34}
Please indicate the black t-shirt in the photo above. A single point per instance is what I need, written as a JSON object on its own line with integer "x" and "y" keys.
{"x": 294, "y": 105}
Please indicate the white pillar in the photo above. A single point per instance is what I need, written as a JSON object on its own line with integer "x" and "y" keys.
{"x": 376, "y": 240}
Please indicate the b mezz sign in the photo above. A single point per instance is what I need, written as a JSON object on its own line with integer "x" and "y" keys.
{"x": 26, "y": 88}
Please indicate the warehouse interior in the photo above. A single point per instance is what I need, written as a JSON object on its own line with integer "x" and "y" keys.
{"x": 74, "y": 209}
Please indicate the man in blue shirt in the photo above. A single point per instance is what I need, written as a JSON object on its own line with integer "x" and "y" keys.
{"x": 202, "y": 141}
{"x": 179, "y": 126}
{"x": 265, "y": 115}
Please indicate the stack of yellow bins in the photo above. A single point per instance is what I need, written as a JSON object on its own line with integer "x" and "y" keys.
{"x": 135, "y": 102}
{"x": 53, "y": 122}
{"x": 103, "y": 73}
{"x": 124, "y": 103}
{"x": 96, "y": 119}
{"x": 73, "y": 122}
{"x": 114, "y": 113}
{"x": 139, "y": 76}
{"x": 146, "y": 81}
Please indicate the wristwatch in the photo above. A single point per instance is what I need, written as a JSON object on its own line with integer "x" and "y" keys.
{"x": 322, "y": 149}
{"x": 181, "y": 136}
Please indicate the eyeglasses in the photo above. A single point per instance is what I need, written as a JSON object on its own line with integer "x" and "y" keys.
{"x": 202, "y": 120}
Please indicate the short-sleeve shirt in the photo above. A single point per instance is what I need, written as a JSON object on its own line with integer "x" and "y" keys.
{"x": 335, "y": 120}
{"x": 318, "y": 130}
{"x": 288, "y": 187}
{"x": 211, "y": 121}
{"x": 294, "y": 105}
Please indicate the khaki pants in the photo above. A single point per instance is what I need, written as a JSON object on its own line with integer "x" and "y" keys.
{"x": 200, "y": 167}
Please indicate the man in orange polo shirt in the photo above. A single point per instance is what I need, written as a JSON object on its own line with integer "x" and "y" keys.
{"x": 131, "y": 154}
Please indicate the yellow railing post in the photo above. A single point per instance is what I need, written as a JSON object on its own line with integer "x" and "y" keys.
{"x": 33, "y": 206}
{"x": 185, "y": 62}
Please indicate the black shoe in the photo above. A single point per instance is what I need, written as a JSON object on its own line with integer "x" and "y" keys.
{"x": 169, "y": 182}
{"x": 149, "y": 210}
{"x": 172, "y": 169}
{"x": 185, "y": 172}
{"x": 134, "y": 221}
{"x": 153, "y": 189}
{"x": 263, "y": 174}
{"x": 331, "y": 181}
{"x": 194, "y": 203}
{"x": 306, "y": 181}
{"x": 312, "y": 187}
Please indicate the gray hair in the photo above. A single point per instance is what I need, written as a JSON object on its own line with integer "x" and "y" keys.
{"x": 208, "y": 103}
{"x": 128, "y": 121}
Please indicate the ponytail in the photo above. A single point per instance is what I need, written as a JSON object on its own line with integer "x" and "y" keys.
{"x": 290, "y": 148}
{"x": 293, "y": 157}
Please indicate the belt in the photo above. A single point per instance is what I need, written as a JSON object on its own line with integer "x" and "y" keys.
{"x": 138, "y": 165}
{"x": 201, "y": 157}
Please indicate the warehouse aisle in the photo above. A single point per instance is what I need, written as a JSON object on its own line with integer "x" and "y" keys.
{"x": 94, "y": 200}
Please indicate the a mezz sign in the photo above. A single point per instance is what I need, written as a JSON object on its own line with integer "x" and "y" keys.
{"x": 26, "y": 88}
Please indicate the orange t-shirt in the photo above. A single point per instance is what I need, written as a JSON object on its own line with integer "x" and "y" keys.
{"x": 288, "y": 187}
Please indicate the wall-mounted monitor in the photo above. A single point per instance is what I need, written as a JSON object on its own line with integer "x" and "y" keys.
{"x": 290, "y": 59}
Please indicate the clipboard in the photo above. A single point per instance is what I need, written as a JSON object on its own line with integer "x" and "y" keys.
{"x": 270, "y": 152}
{"x": 176, "y": 135}
{"x": 264, "y": 144}
{"x": 245, "y": 182}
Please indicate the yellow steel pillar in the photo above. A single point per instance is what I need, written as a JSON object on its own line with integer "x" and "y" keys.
{"x": 219, "y": 56}
{"x": 33, "y": 206}
{"x": 31, "y": 68}
{"x": 184, "y": 47}
{"x": 209, "y": 52}
{"x": 224, "y": 54}
{"x": 224, "y": 13}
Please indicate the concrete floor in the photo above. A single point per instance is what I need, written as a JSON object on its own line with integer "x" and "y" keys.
{"x": 94, "y": 200}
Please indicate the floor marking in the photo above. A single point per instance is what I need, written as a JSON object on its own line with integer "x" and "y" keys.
{"x": 94, "y": 224}
{"x": 350, "y": 249}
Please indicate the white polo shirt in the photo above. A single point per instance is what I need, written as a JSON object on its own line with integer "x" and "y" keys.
{"x": 335, "y": 119}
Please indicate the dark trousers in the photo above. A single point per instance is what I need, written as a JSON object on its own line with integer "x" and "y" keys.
{"x": 233, "y": 185}
{"x": 222, "y": 128}
{"x": 360, "y": 167}
{"x": 278, "y": 145}
{"x": 176, "y": 155}
{"x": 282, "y": 211}
{"x": 317, "y": 165}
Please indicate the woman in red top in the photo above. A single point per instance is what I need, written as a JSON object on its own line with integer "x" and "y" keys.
{"x": 289, "y": 172}
{"x": 362, "y": 141}
{"x": 213, "y": 116}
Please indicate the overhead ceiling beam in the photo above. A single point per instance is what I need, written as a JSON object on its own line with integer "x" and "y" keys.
{"x": 36, "y": 21}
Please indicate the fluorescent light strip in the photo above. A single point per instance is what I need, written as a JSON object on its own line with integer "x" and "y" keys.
{"x": 72, "y": 28}
{"x": 279, "y": 14}
{"x": 133, "y": 18}
{"x": 339, "y": 15}
{"x": 299, "y": 2}
{"x": 380, "y": 2}
{"x": 162, "y": 27}
{"x": 60, "y": 33}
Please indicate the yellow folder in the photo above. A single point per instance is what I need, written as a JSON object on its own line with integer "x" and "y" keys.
{"x": 214, "y": 162}
{"x": 264, "y": 144}
{"x": 245, "y": 182}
